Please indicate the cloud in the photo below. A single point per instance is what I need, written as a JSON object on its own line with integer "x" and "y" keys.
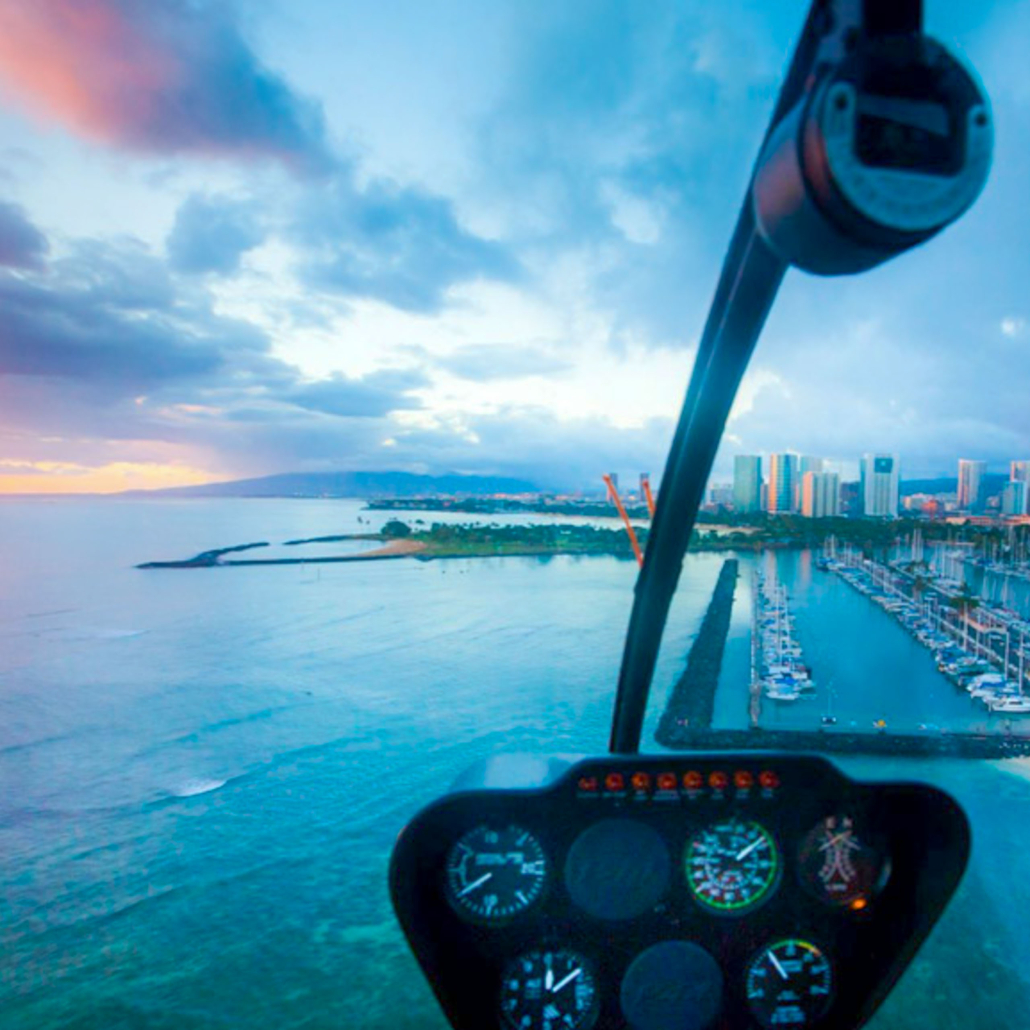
{"x": 211, "y": 234}
{"x": 109, "y": 315}
{"x": 22, "y": 245}
{"x": 398, "y": 245}
{"x": 486, "y": 362}
{"x": 175, "y": 77}
{"x": 372, "y": 396}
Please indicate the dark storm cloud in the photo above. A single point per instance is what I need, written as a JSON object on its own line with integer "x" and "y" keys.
{"x": 22, "y": 245}
{"x": 211, "y": 234}
{"x": 486, "y": 362}
{"x": 401, "y": 246}
{"x": 174, "y": 77}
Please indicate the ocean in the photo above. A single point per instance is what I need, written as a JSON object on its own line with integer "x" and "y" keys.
{"x": 202, "y": 772}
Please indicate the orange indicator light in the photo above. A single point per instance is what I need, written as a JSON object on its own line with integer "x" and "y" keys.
{"x": 743, "y": 780}
{"x": 641, "y": 781}
{"x": 769, "y": 780}
{"x": 693, "y": 780}
{"x": 858, "y": 904}
{"x": 614, "y": 781}
{"x": 718, "y": 781}
{"x": 588, "y": 784}
{"x": 667, "y": 781}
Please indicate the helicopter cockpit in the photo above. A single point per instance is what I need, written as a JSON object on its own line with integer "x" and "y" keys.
{"x": 721, "y": 889}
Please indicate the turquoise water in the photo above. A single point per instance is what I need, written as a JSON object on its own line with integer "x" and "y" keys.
{"x": 202, "y": 772}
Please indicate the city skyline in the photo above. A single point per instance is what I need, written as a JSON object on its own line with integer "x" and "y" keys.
{"x": 238, "y": 240}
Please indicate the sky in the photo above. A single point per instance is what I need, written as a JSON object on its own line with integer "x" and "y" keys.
{"x": 243, "y": 238}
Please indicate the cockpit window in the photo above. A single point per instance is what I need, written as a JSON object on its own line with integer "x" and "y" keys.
{"x": 341, "y": 354}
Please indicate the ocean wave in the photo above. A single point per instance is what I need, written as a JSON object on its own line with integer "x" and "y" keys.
{"x": 192, "y": 787}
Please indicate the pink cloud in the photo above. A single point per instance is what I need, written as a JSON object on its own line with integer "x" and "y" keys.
{"x": 154, "y": 77}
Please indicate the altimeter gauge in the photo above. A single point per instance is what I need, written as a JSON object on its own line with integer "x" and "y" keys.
{"x": 494, "y": 873}
{"x": 732, "y": 867}
{"x": 549, "y": 989}
{"x": 789, "y": 984}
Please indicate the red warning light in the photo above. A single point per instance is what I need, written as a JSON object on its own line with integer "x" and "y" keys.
{"x": 743, "y": 780}
{"x": 588, "y": 784}
{"x": 667, "y": 781}
{"x": 693, "y": 780}
{"x": 641, "y": 781}
{"x": 769, "y": 780}
{"x": 718, "y": 781}
{"x": 614, "y": 781}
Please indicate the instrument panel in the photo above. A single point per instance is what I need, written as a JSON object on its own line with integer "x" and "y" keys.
{"x": 676, "y": 893}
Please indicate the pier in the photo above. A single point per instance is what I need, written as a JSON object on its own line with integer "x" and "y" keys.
{"x": 692, "y": 701}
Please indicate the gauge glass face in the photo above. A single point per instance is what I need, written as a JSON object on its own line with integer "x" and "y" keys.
{"x": 789, "y": 984}
{"x": 732, "y": 867}
{"x": 838, "y": 865}
{"x": 494, "y": 874}
{"x": 549, "y": 990}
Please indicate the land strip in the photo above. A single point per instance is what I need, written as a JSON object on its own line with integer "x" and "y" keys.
{"x": 692, "y": 701}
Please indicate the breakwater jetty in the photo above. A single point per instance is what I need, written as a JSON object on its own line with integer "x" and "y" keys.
{"x": 692, "y": 701}
{"x": 895, "y": 745}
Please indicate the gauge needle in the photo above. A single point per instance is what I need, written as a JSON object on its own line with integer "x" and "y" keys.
{"x": 474, "y": 884}
{"x": 777, "y": 966}
{"x": 561, "y": 983}
{"x": 751, "y": 847}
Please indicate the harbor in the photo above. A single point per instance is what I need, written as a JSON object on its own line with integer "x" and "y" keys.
{"x": 982, "y": 648}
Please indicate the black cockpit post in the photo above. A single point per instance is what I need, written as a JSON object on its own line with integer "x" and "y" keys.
{"x": 879, "y": 139}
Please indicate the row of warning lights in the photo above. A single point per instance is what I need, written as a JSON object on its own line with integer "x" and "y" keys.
{"x": 641, "y": 782}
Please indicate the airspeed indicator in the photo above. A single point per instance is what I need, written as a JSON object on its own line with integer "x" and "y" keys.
{"x": 732, "y": 867}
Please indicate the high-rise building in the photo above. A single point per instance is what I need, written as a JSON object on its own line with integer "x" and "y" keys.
{"x": 820, "y": 494}
{"x": 879, "y": 483}
{"x": 747, "y": 483}
{"x": 1014, "y": 497}
{"x": 1020, "y": 472}
{"x": 806, "y": 463}
{"x": 783, "y": 482}
{"x": 971, "y": 484}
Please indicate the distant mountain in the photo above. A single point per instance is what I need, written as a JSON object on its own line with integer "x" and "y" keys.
{"x": 994, "y": 482}
{"x": 349, "y": 484}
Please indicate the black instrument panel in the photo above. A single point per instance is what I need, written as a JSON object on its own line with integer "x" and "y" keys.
{"x": 686, "y": 892}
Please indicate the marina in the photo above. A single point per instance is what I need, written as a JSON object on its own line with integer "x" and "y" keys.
{"x": 981, "y": 648}
{"x": 778, "y": 671}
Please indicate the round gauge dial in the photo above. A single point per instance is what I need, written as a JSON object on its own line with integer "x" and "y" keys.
{"x": 839, "y": 866}
{"x": 494, "y": 874}
{"x": 549, "y": 990}
{"x": 733, "y": 866}
{"x": 789, "y": 984}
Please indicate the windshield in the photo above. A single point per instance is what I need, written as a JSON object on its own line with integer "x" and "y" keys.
{"x": 333, "y": 338}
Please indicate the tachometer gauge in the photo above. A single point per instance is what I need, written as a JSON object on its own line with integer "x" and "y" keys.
{"x": 549, "y": 990}
{"x": 494, "y": 874}
{"x": 789, "y": 984}
{"x": 732, "y": 867}
{"x": 840, "y": 866}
